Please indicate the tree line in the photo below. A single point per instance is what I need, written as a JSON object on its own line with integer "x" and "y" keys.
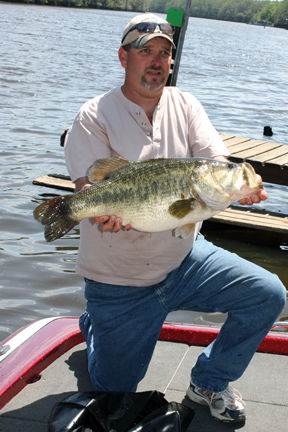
{"x": 246, "y": 11}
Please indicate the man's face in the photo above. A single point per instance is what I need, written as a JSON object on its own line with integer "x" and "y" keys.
{"x": 148, "y": 66}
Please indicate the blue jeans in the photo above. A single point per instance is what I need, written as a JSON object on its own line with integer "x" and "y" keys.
{"x": 122, "y": 323}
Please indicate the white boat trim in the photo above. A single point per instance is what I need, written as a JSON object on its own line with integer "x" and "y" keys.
{"x": 23, "y": 335}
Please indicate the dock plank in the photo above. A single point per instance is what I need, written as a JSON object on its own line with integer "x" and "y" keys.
{"x": 236, "y": 141}
{"x": 281, "y": 160}
{"x": 226, "y": 136}
{"x": 269, "y": 155}
{"x": 259, "y": 151}
{"x": 243, "y": 145}
{"x": 251, "y": 219}
{"x": 54, "y": 182}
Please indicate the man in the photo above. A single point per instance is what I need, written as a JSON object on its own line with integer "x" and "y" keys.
{"x": 134, "y": 279}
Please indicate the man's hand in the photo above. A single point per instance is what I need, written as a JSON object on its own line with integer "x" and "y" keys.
{"x": 111, "y": 223}
{"x": 255, "y": 197}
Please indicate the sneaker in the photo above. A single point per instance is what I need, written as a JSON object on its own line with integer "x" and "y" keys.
{"x": 226, "y": 405}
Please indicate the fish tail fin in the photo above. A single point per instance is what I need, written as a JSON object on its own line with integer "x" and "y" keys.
{"x": 54, "y": 214}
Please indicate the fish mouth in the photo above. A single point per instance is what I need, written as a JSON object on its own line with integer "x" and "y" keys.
{"x": 250, "y": 177}
{"x": 247, "y": 190}
{"x": 250, "y": 180}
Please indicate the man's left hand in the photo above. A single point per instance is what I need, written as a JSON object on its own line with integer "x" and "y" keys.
{"x": 255, "y": 197}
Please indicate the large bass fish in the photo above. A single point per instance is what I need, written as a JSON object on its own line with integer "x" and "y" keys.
{"x": 155, "y": 195}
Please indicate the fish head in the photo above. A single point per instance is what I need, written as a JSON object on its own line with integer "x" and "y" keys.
{"x": 219, "y": 183}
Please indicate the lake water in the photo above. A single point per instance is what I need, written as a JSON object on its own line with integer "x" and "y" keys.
{"x": 54, "y": 59}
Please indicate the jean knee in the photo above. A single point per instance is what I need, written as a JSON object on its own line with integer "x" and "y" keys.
{"x": 277, "y": 293}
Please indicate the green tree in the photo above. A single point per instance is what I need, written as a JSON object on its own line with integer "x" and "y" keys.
{"x": 138, "y": 5}
{"x": 282, "y": 12}
{"x": 273, "y": 12}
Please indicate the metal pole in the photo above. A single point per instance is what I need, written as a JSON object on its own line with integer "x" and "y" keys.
{"x": 180, "y": 43}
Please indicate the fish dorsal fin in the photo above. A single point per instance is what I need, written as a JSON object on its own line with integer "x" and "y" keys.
{"x": 181, "y": 208}
{"x": 104, "y": 169}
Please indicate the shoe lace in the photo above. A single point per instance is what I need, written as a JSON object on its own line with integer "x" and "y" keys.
{"x": 229, "y": 396}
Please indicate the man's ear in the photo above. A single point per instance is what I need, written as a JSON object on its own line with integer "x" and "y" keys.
{"x": 122, "y": 54}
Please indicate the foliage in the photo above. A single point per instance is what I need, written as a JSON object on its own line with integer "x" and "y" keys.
{"x": 247, "y": 11}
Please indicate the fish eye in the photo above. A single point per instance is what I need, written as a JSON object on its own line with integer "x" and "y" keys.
{"x": 231, "y": 165}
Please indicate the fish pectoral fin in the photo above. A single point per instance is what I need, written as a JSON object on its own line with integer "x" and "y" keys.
{"x": 181, "y": 208}
{"x": 184, "y": 231}
{"x": 104, "y": 169}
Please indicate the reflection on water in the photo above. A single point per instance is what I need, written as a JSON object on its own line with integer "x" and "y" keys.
{"x": 51, "y": 63}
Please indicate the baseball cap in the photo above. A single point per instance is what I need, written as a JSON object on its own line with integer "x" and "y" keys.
{"x": 145, "y": 27}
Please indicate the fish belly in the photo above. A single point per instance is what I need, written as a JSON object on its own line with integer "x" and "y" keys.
{"x": 158, "y": 218}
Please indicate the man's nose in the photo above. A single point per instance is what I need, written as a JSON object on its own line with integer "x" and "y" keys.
{"x": 156, "y": 59}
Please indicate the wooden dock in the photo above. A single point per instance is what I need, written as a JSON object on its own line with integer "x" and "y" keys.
{"x": 269, "y": 159}
{"x": 250, "y": 224}
{"x": 55, "y": 181}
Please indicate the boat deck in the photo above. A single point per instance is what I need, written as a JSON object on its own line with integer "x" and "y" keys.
{"x": 263, "y": 386}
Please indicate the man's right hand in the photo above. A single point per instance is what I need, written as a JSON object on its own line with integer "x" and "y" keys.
{"x": 111, "y": 223}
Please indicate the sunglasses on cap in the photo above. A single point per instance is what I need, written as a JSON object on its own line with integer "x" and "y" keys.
{"x": 150, "y": 27}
